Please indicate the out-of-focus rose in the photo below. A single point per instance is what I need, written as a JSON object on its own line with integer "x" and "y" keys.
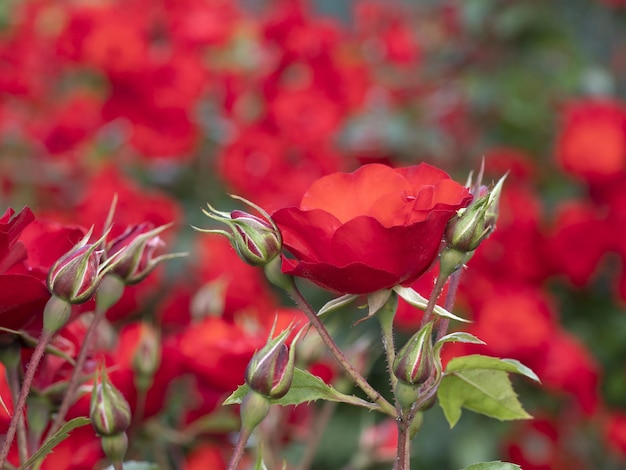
{"x": 371, "y": 229}
{"x": 592, "y": 143}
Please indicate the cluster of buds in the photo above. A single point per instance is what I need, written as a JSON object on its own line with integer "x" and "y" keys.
{"x": 256, "y": 240}
{"x": 110, "y": 417}
{"x": 78, "y": 274}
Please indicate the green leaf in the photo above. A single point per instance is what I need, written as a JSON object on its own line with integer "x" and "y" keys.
{"x": 484, "y": 391}
{"x": 478, "y": 361}
{"x": 417, "y": 300}
{"x": 496, "y": 465}
{"x": 336, "y": 304}
{"x": 305, "y": 388}
{"x": 58, "y": 437}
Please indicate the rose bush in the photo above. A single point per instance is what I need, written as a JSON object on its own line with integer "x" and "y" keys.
{"x": 371, "y": 229}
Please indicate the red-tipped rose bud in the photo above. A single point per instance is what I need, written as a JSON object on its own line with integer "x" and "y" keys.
{"x": 474, "y": 223}
{"x": 75, "y": 276}
{"x": 270, "y": 371}
{"x": 108, "y": 410}
{"x": 135, "y": 249}
{"x": 257, "y": 240}
{"x": 414, "y": 363}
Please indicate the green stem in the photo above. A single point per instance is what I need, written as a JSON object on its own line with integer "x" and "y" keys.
{"x": 434, "y": 296}
{"x": 14, "y": 384}
{"x": 372, "y": 394}
{"x": 75, "y": 379}
{"x": 385, "y": 318}
{"x": 235, "y": 459}
{"x": 403, "y": 460}
{"x": 18, "y": 409}
{"x": 455, "y": 280}
{"x": 109, "y": 292}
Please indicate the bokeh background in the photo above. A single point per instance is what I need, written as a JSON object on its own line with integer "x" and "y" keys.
{"x": 171, "y": 103}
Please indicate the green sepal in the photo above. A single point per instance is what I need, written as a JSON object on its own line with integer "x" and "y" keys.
{"x": 417, "y": 300}
{"x": 336, "y": 304}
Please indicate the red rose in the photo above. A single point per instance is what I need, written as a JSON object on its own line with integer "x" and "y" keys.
{"x": 371, "y": 229}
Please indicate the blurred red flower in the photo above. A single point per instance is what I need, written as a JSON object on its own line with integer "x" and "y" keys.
{"x": 217, "y": 352}
{"x": 592, "y": 143}
{"x": 615, "y": 432}
{"x": 371, "y": 229}
{"x": 579, "y": 240}
{"x": 206, "y": 456}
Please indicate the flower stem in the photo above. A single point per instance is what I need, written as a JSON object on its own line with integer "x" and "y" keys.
{"x": 14, "y": 384}
{"x": 74, "y": 383}
{"x": 385, "y": 318}
{"x": 434, "y": 296}
{"x": 18, "y": 410}
{"x": 372, "y": 394}
{"x": 109, "y": 292}
{"x": 244, "y": 435}
{"x": 455, "y": 280}
{"x": 403, "y": 461}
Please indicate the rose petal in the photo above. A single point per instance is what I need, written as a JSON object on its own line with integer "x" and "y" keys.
{"x": 307, "y": 234}
{"x": 349, "y": 195}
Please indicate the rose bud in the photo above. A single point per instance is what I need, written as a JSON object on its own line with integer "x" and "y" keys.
{"x": 108, "y": 410}
{"x": 136, "y": 247}
{"x": 472, "y": 224}
{"x": 270, "y": 371}
{"x": 257, "y": 240}
{"x": 76, "y": 275}
{"x": 414, "y": 363}
{"x": 147, "y": 356}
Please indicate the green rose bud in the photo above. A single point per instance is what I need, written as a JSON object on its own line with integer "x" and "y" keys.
{"x": 76, "y": 275}
{"x": 257, "y": 240}
{"x": 474, "y": 223}
{"x": 136, "y": 251}
{"x": 270, "y": 371}
{"x": 415, "y": 363}
{"x": 108, "y": 410}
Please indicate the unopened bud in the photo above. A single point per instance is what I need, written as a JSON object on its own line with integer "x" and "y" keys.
{"x": 414, "y": 363}
{"x": 256, "y": 240}
{"x": 75, "y": 275}
{"x": 136, "y": 251}
{"x": 109, "y": 411}
{"x": 473, "y": 224}
{"x": 270, "y": 371}
{"x": 147, "y": 356}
